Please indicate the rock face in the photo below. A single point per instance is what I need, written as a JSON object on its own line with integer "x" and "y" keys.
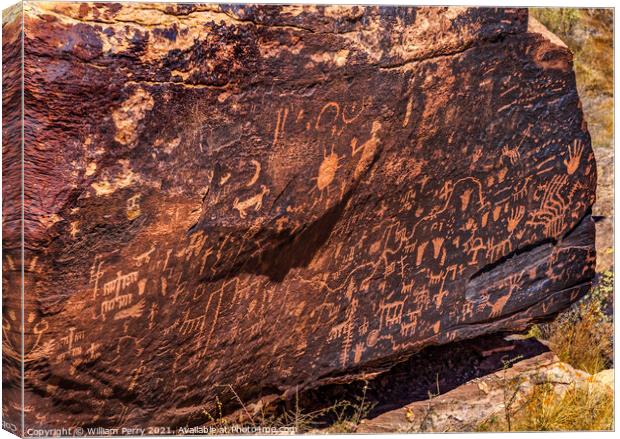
{"x": 271, "y": 198}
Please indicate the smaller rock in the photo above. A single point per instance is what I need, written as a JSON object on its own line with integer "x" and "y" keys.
{"x": 471, "y": 404}
{"x": 605, "y": 377}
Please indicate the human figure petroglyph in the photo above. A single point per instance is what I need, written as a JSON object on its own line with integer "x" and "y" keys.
{"x": 73, "y": 349}
{"x": 473, "y": 246}
{"x": 446, "y": 190}
{"x": 93, "y": 351}
{"x": 467, "y": 311}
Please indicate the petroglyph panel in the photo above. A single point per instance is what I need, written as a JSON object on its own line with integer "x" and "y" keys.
{"x": 272, "y": 197}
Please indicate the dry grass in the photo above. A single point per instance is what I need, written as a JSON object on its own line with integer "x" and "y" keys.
{"x": 583, "y": 336}
{"x": 577, "y": 409}
{"x": 342, "y": 417}
{"x": 348, "y": 415}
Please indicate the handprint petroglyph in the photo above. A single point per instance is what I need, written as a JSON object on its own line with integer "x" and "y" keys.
{"x": 574, "y": 156}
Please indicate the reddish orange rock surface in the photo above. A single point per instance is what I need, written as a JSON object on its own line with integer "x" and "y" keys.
{"x": 270, "y": 198}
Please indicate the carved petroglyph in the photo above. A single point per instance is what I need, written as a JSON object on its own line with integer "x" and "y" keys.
{"x": 133, "y": 207}
{"x": 95, "y": 274}
{"x": 574, "y": 156}
{"x": 512, "y": 283}
{"x": 329, "y": 110}
{"x": 511, "y": 153}
{"x": 116, "y": 288}
{"x": 408, "y": 111}
{"x": 119, "y": 283}
{"x": 69, "y": 344}
{"x": 117, "y": 302}
{"x": 327, "y": 170}
{"x": 144, "y": 258}
{"x": 368, "y": 149}
{"x": 255, "y": 202}
{"x": 552, "y": 205}
{"x": 391, "y": 313}
{"x": 515, "y": 218}
{"x": 280, "y": 121}
{"x": 254, "y": 179}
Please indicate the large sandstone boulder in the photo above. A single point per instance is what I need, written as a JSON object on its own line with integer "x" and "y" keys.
{"x": 270, "y": 198}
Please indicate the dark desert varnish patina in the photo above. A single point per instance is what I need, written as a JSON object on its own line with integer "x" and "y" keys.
{"x": 272, "y": 198}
